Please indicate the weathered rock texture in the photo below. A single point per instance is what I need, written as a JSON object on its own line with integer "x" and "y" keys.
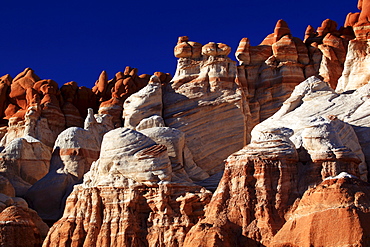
{"x": 143, "y": 104}
{"x": 114, "y": 92}
{"x": 269, "y": 72}
{"x": 356, "y": 72}
{"x": 202, "y": 98}
{"x": 74, "y": 151}
{"x": 158, "y": 215}
{"x": 127, "y": 155}
{"x": 360, "y": 22}
{"x": 335, "y": 130}
{"x": 132, "y": 195}
{"x": 257, "y": 188}
{"x": 283, "y": 183}
{"x": 356, "y": 68}
{"x": 19, "y": 225}
{"x": 38, "y": 107}
{"x": 182, "y": 163}
{"x": 295, "y": 149}
{"x": 334, "y": 213}
{"x": 24, "y": 161}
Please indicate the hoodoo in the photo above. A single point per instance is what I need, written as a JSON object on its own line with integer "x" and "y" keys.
{"x": 271, "y": 150}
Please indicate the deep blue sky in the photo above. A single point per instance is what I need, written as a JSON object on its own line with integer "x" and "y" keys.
{"x": 76, "y": 40}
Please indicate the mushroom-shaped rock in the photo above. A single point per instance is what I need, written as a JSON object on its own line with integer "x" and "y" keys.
{"x": 187, "y": 49}
{"x": 215, "y": 49}
{"x": 210, "y": 49}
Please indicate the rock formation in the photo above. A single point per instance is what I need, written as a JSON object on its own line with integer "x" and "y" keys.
{"x": 325, "y": 213}
{"x": 201, "y": 98}
{"x": 128, "y": 195}
{"x": 74, "y": 151}
{"x": 269, "y": 72}
{"x": 143, "y": 104}
{"x": 281, "y": 140}
{"x": 113, "y": 93}
{"x": 133, "y": 216}
{"x": 295, "y": 149}
{"x": 24, "y": 161}
{"x": 20, "y": 225}
{"x": 360, "y": 22}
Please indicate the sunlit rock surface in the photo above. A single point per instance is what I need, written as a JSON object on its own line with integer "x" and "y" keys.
{"x": 271, "y": 152}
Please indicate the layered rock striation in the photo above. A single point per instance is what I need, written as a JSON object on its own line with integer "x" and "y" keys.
{"x": 291, "y": 121}
{"x": 296, "y": 149}
{"x": 133, "y": 216}
{"x": 269, "y": 72}
{"x": 202, "y": 97}
{"x": 130, "y": 197}
{"x": 325, "y": 213}
{"x": 20, "y": 225}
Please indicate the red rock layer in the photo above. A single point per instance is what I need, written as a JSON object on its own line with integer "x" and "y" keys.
{"x": 269, "y": 72}
{"x": 57, "y": 109}
{"x": 260, "y": 184}
{"x": 249, "y": 204}
{"x": 136, "y": 216}
{"x": 360, "y": 21}
{"x": 334, "y": 213}
{"x": 114, "y": 92}
{"x": 20, "y": 227}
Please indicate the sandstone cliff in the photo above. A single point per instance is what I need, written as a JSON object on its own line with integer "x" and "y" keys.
{"x": 130, "y": 197}
{"x": 324, "y": 215}
{"x": 281, "y": 139}
{"x": 295, "y": 149}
